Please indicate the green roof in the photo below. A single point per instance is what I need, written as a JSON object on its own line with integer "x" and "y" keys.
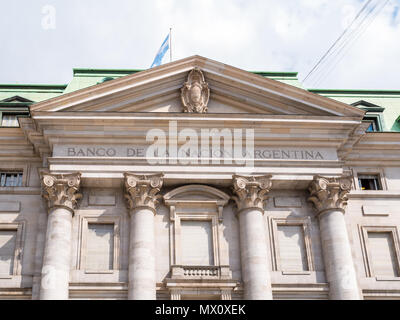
{"x": 355, "y": 91}
{"x": 103, "y": 72}
{"x": 387, "y": 100}
{"x": 40, "y": 87}
{"x": 86, "y": 77}
{"x": 33, "y": 92}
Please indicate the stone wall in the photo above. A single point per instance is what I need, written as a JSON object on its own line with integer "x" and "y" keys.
{"x": 368, "y": 211}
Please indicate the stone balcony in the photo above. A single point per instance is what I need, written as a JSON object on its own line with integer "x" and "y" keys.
{"x": 208, "y": 282}
{"x": 200, "y": 272}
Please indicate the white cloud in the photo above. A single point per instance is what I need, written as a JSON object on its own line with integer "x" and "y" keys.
{"x": 288, "y": 35}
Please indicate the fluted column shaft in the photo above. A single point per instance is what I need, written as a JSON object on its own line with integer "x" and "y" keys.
{"x": 329, "y": 196}
{"x": 250, "y": 197}
{"x": 61, "y": 194}
{"x": 142, "y": 198}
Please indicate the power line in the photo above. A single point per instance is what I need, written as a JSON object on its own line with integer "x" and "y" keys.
{"x": 345, "y": 35}
{"x": 345, "y": 42}
{"x": 341, "y": 54}
{"x": 337, "y": 40}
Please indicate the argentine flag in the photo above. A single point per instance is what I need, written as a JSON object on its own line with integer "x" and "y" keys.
{"x": 161, "y": 52}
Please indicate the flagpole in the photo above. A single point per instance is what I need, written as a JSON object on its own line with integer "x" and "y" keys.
{"x": 170, "y": 46}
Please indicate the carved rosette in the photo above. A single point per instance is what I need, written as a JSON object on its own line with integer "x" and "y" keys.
{"x": 195, "y": 92}
{"x": 61, "y": 190}
{"x": 141, "y": 190}
{"x": 329, "y": 193}
{"x": 251, "y": 191}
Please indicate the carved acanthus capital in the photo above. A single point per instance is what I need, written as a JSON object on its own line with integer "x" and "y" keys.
{"x": 60, "y": 190}
{"x": 195, "y": 92}
{"x": 329, "y": 193}
{"x": 251, "y": 191}
{"x": 141, "y": 190}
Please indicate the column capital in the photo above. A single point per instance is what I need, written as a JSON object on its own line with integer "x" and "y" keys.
{"x": 60, "y": 190}
{"x": 141, "y": 190}
{"x": 329, "y": 193}
{"x": 251, "y": 191}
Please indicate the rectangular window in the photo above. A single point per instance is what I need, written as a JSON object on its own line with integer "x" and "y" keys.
{"x": 382, "y": 254}
{"x": 292, "y": 248}
{"x": 10, "y": 179}
{"x": 100, "y": 247}
{"x": 8, "y": 240}
{"x": 9, "y": 120}
{"x": 369, "y": 182}
{"x": 197, "y": 243}
{"x": 374, "y": 124}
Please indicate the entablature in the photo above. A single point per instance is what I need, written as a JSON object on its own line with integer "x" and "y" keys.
{"x": 64, "y": 128}
{"x": 112, "y": 176}
{"x": 375, "y": 149}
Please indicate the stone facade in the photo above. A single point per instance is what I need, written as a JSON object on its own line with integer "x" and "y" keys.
{"x": 100, "y": 215}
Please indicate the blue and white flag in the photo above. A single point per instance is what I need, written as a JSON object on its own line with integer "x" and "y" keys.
{"x": 161, "y": 52}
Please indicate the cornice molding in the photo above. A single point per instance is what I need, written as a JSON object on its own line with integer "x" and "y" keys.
{"x": 190, "y": 191}
{"x": 374, "y": 194}
{"x": 213, "y": 69}
{"x": 34, "y": 136}
{"x": 354, "y": 137}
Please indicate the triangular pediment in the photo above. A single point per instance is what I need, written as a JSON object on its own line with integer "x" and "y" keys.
{"x": 232, "y": 90}
{"x": 16, "y": 99}
{"x": 368, "y": 106}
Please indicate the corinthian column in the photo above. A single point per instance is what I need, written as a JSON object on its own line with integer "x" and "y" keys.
{"x": 251, "y": 193}
{"x": 60, "y": 190}
{"x": 142, "y": 198}
{"x": 329, "y": 196}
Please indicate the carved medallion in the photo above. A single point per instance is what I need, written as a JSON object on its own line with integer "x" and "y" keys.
{"x": 195, "y": 92}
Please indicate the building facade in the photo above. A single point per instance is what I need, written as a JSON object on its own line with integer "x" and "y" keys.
{"x": 198, "y": 180}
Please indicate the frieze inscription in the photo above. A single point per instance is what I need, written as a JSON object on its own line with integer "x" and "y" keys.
{"x": 275, "y": 153}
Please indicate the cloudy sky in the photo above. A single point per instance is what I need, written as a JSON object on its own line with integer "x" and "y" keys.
{"x": 41, "y": 41}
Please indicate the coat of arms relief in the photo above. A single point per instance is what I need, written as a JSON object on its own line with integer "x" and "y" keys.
{"x": 195, "y": 92}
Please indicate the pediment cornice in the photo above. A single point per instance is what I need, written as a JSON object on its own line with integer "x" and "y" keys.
{"x": 114, "y": 127}
{"x": 251, "y": 92}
